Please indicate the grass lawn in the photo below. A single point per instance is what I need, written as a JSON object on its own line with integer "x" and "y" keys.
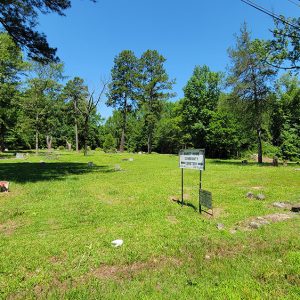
{"x": 59, "y": 218}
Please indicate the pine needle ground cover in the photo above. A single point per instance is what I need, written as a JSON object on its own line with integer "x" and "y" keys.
{"x": 59, "y": 218}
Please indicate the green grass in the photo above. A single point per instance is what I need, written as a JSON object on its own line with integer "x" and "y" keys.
{"x": 58, "y": 221}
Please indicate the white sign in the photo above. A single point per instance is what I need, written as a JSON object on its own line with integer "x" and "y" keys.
{"x": 192, "y": 159}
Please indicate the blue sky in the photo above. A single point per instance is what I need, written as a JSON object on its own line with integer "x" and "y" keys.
{"x": 186, "y": 33}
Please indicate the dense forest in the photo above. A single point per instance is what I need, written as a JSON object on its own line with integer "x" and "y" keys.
{"x": 251, "y": 108}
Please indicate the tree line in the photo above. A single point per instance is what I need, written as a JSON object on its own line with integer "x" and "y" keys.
{"x": 250, "y": 108}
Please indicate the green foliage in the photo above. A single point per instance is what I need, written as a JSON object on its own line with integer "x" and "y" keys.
{"x": 249, "y": 78}
{"x": 11, "y": 64}
{"x": 59, "y": 219}
{"x": 201, "y": 93}
{"x": 284, "y": 51}
{"x": 153, "y": 89}
{"x": 20, "y": 18}
{"x": 168, "y": 134}
{"x": 109, "y": 144}
{"x": 290, "y": 146}
{"x": 270, "y": 150}
{"x": 285, "y": 118}
{"x": 222, "y": 138}
{"x": 122, "y": 93}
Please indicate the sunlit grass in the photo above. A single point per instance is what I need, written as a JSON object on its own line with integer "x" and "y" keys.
{"x": 58, "y": 221}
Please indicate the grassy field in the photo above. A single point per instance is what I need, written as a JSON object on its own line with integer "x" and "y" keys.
{"x": 59, "y": 218}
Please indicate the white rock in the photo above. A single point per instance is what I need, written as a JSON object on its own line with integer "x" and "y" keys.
{"x": 220, "y": 226}
{"x": 279, "y": 204}
{"x": 117, "y": 243}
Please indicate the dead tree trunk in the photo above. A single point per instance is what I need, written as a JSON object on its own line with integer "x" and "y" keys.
{"x": 49, "y": 142}
{"x": 86, "y": 134}
{"x": 69, "y": 146}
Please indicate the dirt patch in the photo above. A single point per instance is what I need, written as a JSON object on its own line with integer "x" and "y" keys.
{"x": 131, "y": 270}
{"x": 172, "y": 219}
{"x": 178, "y": 198}
{"x": 174, "y": 198}
{"x": 225, "y": 251}
{"x": 9, "y": 227}
{"x": 257, "y": 222}
{"x": 219, "y": 212}
{"x": 57, "y": 260}
{"x": 277, "y": 217}
{"x": 256, "y": 187}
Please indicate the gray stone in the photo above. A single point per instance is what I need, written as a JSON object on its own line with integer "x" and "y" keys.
{"x": 130, "y": 159}
{"x": 264, "y": 222}
{"x": 118, "y": 168}
{"x": 254, "y": 225}
{"x": 220, "y": 226}
{"x": 279, "y": 204}
{"x": 20, "y": 156}
{"x": 260, "y": 197}
{"x": 250, "y": 195}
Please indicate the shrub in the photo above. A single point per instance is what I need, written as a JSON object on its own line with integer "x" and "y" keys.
{"x": 109, "y": 144}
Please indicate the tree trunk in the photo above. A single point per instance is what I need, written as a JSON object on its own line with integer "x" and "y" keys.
{"x": 76, "y": 126}
{"x": 76, "y": 136}
{"x": 149, "y": 143}
{"x": 49, "y": 142}
{"x": 69, "y": 146}
{"x": 85, "y": 135}
{"x": 122, "y": 142}
{"x": 2, "y": 144}
{"x": 259, "y": 146}
{"x": 36, "y": 135}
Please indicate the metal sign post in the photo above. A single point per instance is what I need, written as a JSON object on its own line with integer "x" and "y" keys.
{"x": 200, "y": 188}
{"x": 182, "y": 187}
{"x": 195, "y": 159}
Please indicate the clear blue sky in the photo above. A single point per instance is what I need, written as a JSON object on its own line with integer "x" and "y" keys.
{"x": 186, "y": 33}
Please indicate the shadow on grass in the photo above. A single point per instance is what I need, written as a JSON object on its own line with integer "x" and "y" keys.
{"x": 34, "y": 171}
{"x": 188, "y": 204}
{"x": 239, "y": 163}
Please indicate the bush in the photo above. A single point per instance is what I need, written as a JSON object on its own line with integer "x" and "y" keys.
{"x": 269, "y": 150}
{"x": 61, "y": 148}
{"x": 109, "y": 144}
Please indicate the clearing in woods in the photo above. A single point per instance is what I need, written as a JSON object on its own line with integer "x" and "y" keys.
{"x": 59, "y": 218}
